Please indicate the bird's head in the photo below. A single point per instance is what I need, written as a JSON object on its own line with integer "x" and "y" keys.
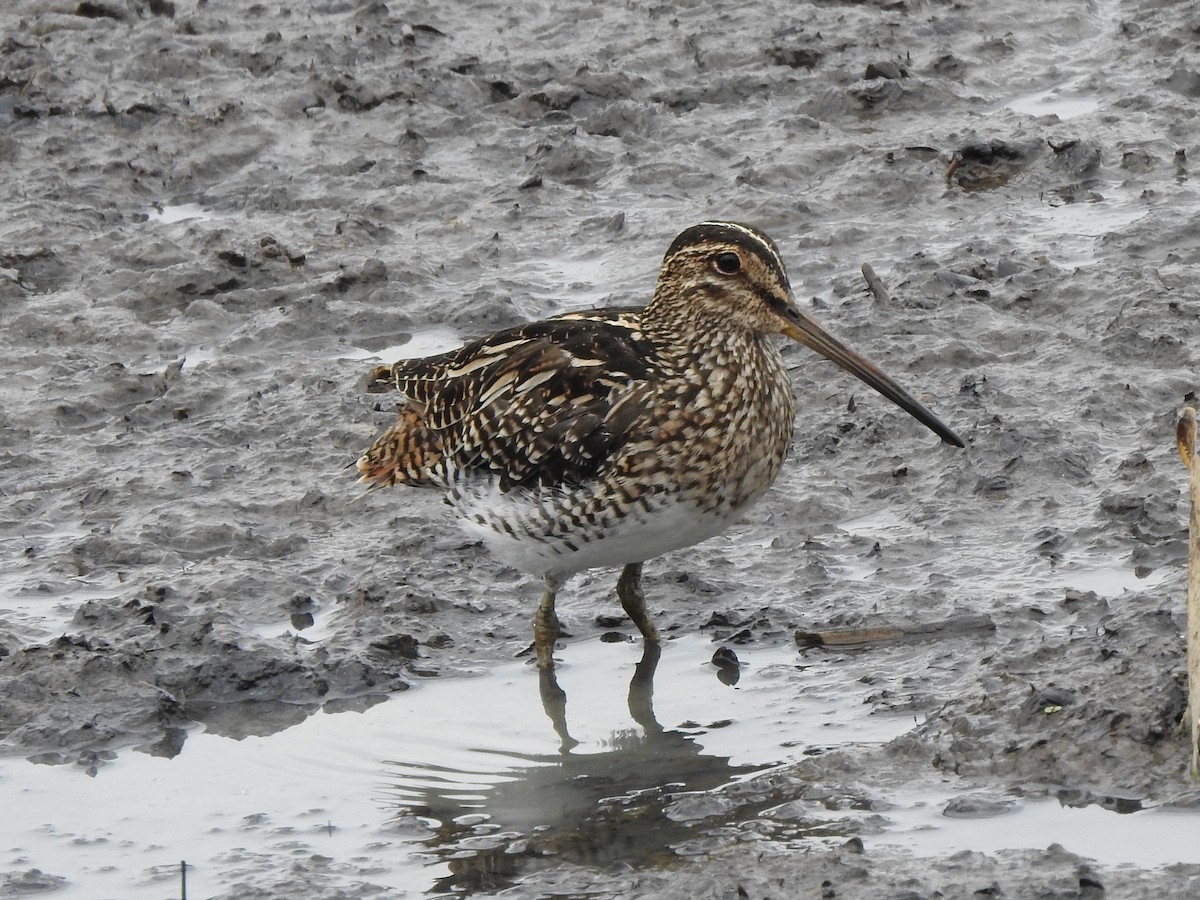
{"x": 730, "y": 275}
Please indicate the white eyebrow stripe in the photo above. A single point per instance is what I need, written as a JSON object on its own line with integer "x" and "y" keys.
{"x": 756, "y": 236}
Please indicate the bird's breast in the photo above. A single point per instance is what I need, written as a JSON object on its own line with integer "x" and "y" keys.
{"x": 708, "y": 443}
{"x": 722, "y": 434}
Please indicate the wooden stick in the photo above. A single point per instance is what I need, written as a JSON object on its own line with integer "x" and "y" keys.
{"x": 1185, "y": 441}
{"x": 953, "y": 167}
{"x": 876, "y": 286}
{"x": 882, "y": 634}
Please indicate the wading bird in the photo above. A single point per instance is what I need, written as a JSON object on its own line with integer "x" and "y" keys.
{"x": 609, "y": 437}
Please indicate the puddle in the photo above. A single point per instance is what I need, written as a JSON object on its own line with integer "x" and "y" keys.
{"x": 1085, "y": 52}
{"x": 1090, "y": 219}
{"x": 1069, "y": 226}
{"x": 235, "y": 811}
{"x": 482, "y": 760}
{"x": 37, "y": 607}
{"x": 198, "y": 356}
{"x": 314, "y": 624}
{"x": 1060, "y": 100}
{"x": 168, "y": 215}
{"x": 423, "y": 342}
{"x": 1147, "y": 838}
{"x": 601, "y": 712}
{"x": 588, "y": 282}
{"x": 1109, "y": 580}
{"x": 463, "y": 784}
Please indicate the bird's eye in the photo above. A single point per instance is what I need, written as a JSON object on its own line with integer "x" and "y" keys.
{"x": 727, "y": 263}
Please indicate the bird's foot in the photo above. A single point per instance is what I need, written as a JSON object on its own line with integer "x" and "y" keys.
{"x": 533, "y": 645}
{"x": 546, "y": 630}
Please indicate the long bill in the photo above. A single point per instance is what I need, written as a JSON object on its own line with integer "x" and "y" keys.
{"x": 804, "y": 330}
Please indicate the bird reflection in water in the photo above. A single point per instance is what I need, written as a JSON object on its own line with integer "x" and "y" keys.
{"x": 589, "y": 808}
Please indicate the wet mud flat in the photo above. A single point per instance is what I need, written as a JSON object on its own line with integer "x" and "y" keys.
{"x": 215, "y": 216}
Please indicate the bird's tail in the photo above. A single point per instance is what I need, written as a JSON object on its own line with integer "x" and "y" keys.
{"x": 407, "y": 453}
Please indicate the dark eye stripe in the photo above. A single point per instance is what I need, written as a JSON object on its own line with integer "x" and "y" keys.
{"x": 770, "y": 300}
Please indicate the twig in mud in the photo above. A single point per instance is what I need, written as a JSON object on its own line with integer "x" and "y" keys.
{"x": 1185, "y": 441}
{"x": 875, "y": 284}
{"x": 864, "y": 637}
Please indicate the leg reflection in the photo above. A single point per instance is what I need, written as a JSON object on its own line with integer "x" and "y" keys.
{"x": 554, "y": 702}
{"x": 641, "y": 689}
{"x": 641, "y": 698}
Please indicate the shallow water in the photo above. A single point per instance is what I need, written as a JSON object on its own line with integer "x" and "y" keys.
{"x": 422, "y": 342}
{"x": 168, "y": 214}
{"x": 336, "y": 784}
{"x": 444, "y": 786}
{"x": 1149, "y": 837}
{"x": 44, "y": 607}
{"x": 1062, "y": 100}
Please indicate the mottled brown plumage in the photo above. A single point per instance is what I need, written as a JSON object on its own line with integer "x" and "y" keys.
{"x": 611, "y": 436}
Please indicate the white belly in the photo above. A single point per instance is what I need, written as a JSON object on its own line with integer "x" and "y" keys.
{"x": 636, "y": 537}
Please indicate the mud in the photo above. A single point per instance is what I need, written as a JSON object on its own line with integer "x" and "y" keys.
{"x": 213, "y": 213}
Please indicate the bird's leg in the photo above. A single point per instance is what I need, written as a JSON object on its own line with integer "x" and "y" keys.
{"x": 546, "y": 627}
{"x": 633, "y": 601}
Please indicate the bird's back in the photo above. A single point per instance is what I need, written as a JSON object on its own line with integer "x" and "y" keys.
{"x": 542, "y": 405}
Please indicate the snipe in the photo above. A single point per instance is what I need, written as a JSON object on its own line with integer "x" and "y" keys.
{"x": 611, "y": 436}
